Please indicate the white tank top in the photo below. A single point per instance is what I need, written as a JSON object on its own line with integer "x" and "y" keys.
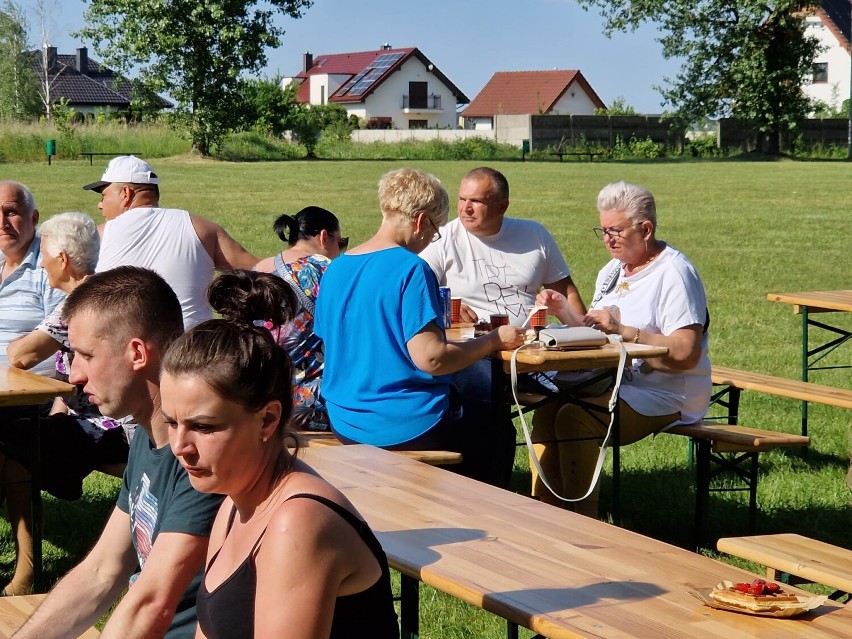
{"x": 164, "y": 241}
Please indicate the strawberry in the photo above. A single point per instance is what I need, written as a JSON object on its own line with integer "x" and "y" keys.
{"x": 742, "y": 587}
{"x": 772, "y": 587}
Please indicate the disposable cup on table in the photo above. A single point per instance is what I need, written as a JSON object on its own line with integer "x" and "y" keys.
{"x": 538, "y": 316}
{"x": 455, "y": 309}
{"x": 498, "y": 319}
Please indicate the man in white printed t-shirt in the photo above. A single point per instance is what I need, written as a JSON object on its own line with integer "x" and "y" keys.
{"x": 497, "y": 264}
{"x": 182, "y": 248}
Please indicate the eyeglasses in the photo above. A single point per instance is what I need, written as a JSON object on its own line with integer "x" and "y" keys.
{"x": 614, "y": 233}
{"x": 343, "y": 243}
{"x": 437, "y": 235}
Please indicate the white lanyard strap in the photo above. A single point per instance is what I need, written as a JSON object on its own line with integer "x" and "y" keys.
{"x": 613, "y": 400}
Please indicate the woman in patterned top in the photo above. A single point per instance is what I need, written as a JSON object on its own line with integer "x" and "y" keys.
{"x": 314, "y": 239}
{"x": 75, "y": 439}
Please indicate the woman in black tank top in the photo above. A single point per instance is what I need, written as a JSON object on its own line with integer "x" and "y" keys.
{"x": 289, "y": 556}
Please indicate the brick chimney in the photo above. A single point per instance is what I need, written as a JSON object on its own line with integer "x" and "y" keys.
{"x": 50, "y": 53}
{"x": 307, "y": 61}
{"x": 82, "y": 59}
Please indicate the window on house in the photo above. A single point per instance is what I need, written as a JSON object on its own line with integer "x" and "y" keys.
{"x": 322, "y": 94}
{"x": 417, "y": 93}
{"x": 418, "y": 124}
{"x": 820, "y": 72}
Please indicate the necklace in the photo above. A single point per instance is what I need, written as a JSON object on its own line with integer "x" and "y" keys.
{"x": 635, "y": 269}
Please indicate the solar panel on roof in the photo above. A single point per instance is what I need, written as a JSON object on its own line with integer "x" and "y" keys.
{"x": 362, "y": 82}
{"x": 355, "y": 79}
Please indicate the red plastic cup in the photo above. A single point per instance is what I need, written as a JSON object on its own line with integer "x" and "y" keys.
{"x": 539, "y": 316}
{"x": 498, "y": 319}
{"x": 455, "y": 309}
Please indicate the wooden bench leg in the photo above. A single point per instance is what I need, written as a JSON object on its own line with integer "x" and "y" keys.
{"x": 702, "y": 488}
{"x": 752, "y": 494}
{"x": 409, "y": 607}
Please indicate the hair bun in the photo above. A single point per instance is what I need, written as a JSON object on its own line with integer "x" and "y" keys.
{"x": 248, "y": 297}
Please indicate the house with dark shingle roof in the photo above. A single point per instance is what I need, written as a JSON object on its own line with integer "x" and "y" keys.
{"x": 561, "y": 92}
{"x": 88, "y": 85}
{"x": 386, "y": 87}
{"x": 830, "y": 24}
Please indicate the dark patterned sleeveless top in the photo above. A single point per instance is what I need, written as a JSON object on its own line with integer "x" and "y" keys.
{"x": 228, "y": 611}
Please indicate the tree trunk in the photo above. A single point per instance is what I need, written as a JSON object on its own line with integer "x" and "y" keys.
{"x": 769, "y": 142}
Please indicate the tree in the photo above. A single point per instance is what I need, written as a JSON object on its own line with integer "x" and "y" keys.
{"x": 618, "y": 106}
{"x": 193, "y": 50}
{"x": 742, "y": 58}
{"x": 308, "y": 121}
{"x": 17, "y": 83}
{"x": 49, "y": 71}
{"x": 265, "y": 106}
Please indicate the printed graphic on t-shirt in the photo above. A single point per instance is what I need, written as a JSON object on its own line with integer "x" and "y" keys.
{"x": 143, "y": 519}
{"x": 501, "y": 296}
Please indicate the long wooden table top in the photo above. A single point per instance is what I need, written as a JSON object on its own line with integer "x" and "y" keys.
{"x": 22, "y": 388}
{"x": 558, "y": 573}
{"x": 816, "y": 300}
{"x": 533, "y": 359}
{"x": 814, "y": 560}
{"x": 15, "y": 610}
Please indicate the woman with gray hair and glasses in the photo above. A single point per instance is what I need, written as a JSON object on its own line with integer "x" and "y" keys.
{"x": 649, "y": 293}
{"x": 75, "y": 439}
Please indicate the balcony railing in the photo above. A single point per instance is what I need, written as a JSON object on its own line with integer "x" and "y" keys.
{"x": 431, "y": 102}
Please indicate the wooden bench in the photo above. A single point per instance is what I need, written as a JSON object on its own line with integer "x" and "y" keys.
{"x": 591, "y": 154}
{"x": 736, "y": 381}
{"x": 91, "y": 154}
{"x": 312, "y": 439}
{"x": 734, "y": 449}
{"x": 798, "y": 559}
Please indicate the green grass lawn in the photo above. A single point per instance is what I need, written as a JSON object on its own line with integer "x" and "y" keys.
{"x": 750, "y": 229}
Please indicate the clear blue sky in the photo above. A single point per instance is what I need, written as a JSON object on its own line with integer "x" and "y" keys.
{"x": 468, "y": 40}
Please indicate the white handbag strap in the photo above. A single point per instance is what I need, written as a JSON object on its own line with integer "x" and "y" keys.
{"x": 613, "y": 400}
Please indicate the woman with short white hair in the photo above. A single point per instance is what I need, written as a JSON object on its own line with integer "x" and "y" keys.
{"x": 649, "y": 293}
{"x": 75, "y": 439}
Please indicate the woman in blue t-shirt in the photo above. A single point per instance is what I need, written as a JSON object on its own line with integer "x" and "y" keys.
{"x": 387, "y": 360}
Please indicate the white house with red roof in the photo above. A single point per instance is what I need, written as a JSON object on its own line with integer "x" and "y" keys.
{"x": 831, "y": 24}
{"x": 386, "y": 88}
{"x": 560, "y": 92}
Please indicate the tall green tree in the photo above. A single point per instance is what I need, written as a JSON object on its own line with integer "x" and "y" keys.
{"x": 742, "y": 58}
{"x": 18, "y": 97}
{"x": 194, "y": 50}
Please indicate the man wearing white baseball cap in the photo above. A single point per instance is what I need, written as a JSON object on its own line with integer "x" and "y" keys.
{"x": 182, "y": 248}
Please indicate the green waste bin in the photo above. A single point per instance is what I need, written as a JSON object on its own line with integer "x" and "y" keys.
{"x": 50, "y": 146}
{"x": 525, "y": 148}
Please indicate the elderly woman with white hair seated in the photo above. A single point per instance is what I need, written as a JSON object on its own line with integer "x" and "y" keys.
{"x": 386, "y": 354}
{"x": 75, "y": 439}
{"x": 649, "y": 293}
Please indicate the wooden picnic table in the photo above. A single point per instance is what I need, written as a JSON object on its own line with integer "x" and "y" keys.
{"x": 14, "y": 611}
{"x": 816, "y": 302}
{"x": 542, "y": 360}
{"x": 22, "y": 388}
{"x": 556, "y": 572}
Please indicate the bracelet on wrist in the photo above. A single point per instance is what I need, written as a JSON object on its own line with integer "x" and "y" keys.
{"x": 636, "y": 337}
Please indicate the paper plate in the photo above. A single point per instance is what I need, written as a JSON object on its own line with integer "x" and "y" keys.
{"x": 805, "y": 603}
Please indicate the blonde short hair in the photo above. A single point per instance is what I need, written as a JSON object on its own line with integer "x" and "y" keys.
{"x": 406, "y": 192}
